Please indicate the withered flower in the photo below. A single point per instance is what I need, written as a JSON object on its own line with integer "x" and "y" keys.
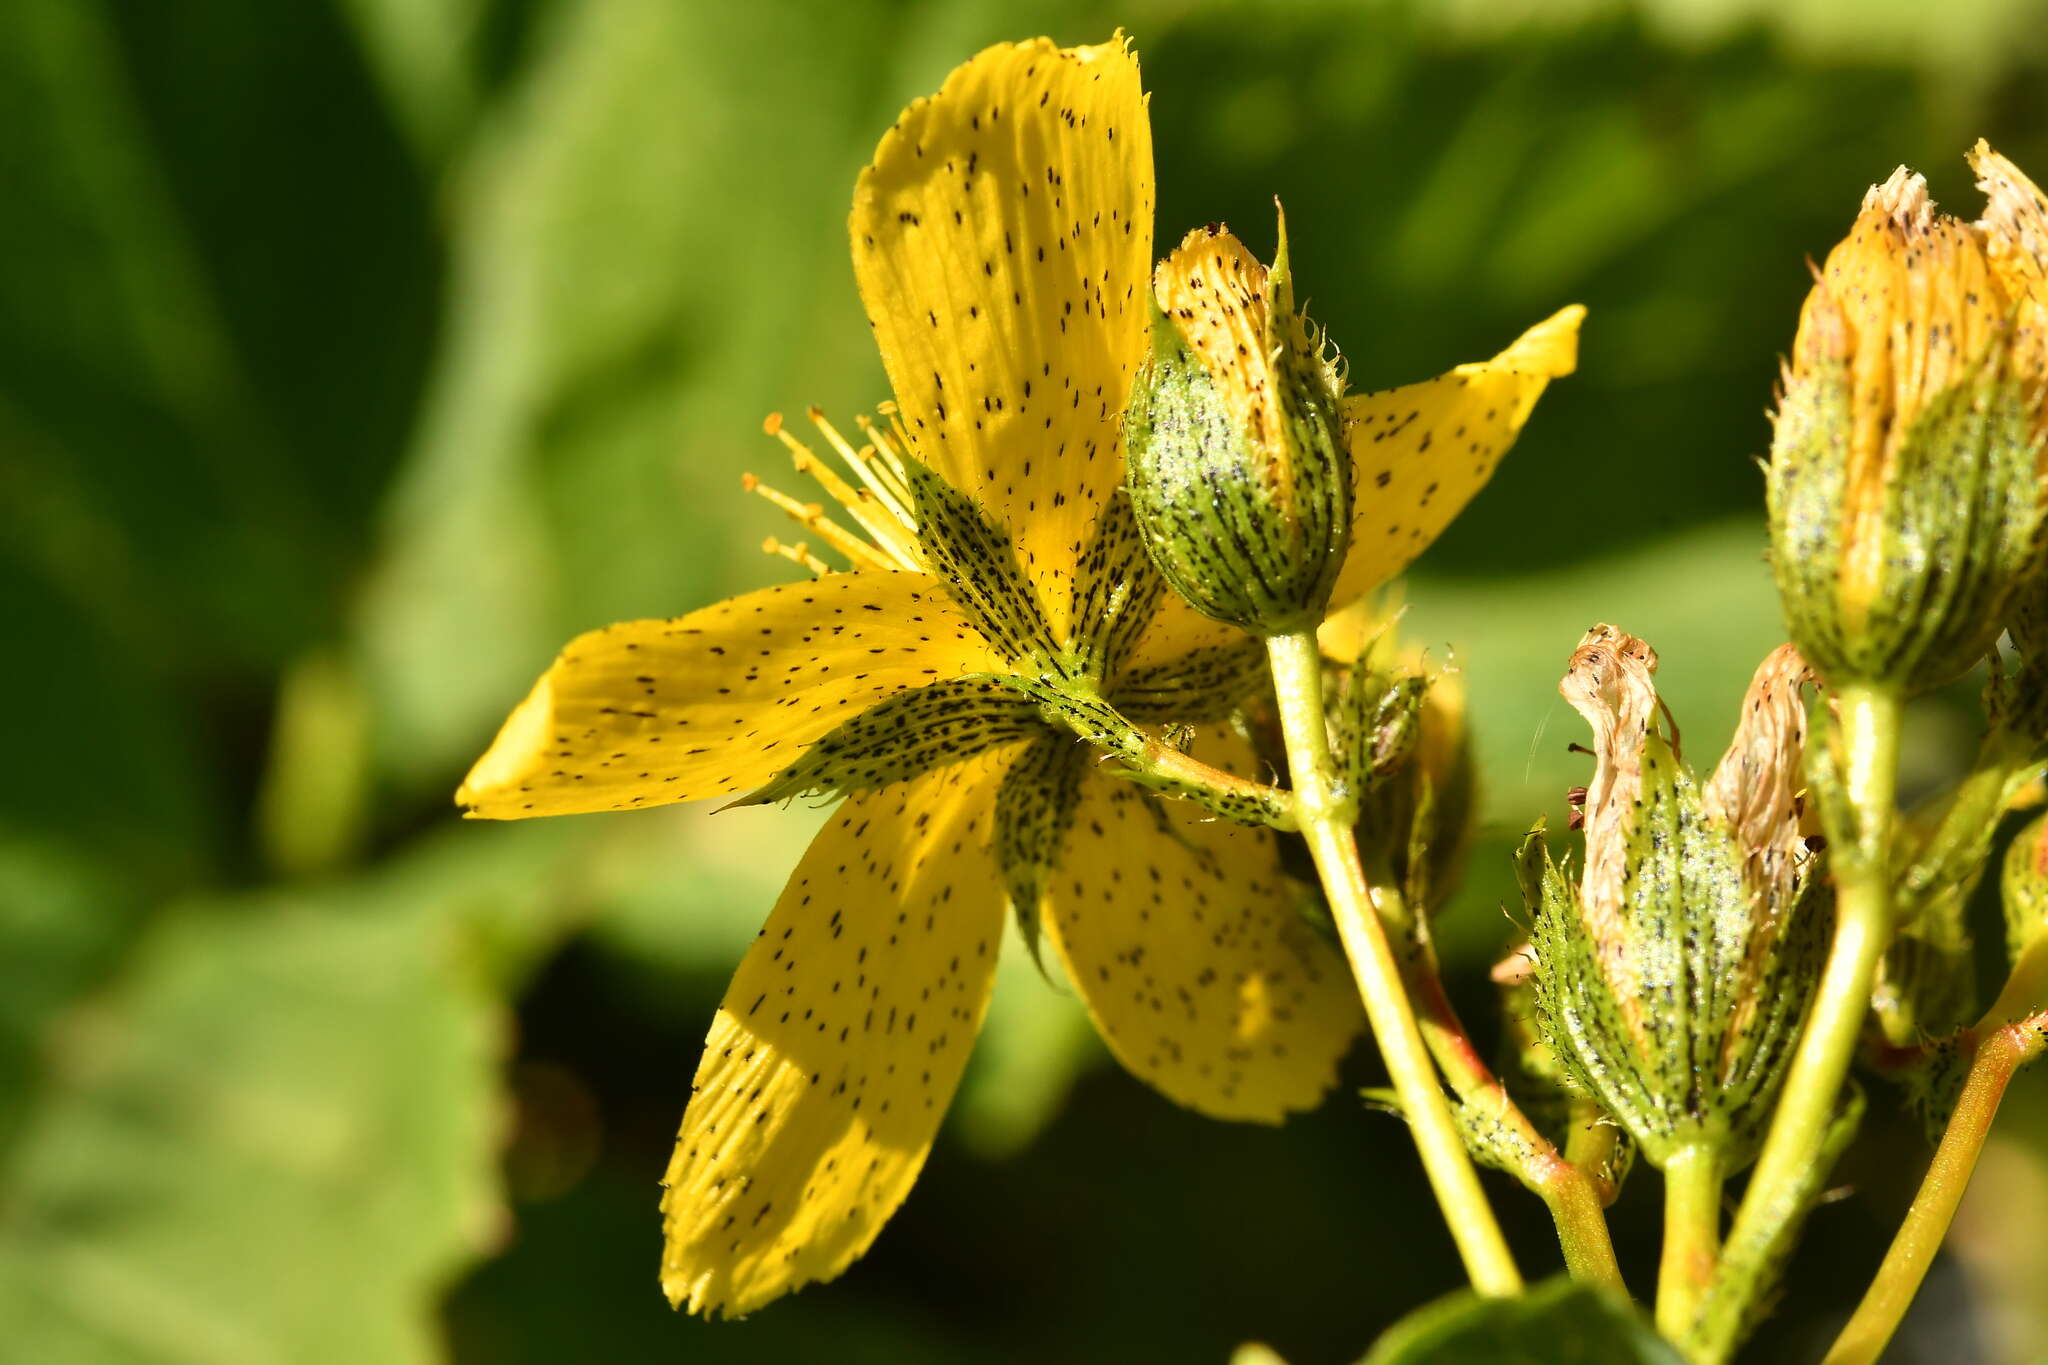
{"x": 1672, "y": 975}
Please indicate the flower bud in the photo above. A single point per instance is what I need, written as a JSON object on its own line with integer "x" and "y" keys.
{"x": 1904, "y": 489}
{"x": 1672, "y": 978}
{"x": 2025, "y": 888}
{"x": 1233, "y": 440}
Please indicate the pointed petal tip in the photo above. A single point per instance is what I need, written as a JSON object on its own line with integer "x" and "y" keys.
{"x": 1551, "y": 347}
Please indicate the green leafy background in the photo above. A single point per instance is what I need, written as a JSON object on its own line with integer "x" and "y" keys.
{"x": 358, "y": 352}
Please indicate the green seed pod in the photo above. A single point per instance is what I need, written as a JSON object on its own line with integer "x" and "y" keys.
{"x": 1672, "y": 978}
{"x": 1905, "y": 498}
{"x": 1234, "y": 453}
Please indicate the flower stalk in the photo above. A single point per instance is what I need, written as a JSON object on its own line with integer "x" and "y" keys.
{"x": 1324, "y": 813}
{"x": 1692, "y": 1235}
{"x": 1865, "y": 739}
{"x": 1578, "y": 1207}
{"x": 2003, "y": 1049}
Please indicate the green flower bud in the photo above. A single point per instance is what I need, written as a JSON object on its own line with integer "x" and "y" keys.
{"x": 1671, "y": 979}
{"x": 1904, "y": 490}
{"x": 1234, "y": 452}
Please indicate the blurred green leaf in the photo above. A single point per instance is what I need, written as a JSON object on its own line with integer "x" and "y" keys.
{"x": 631, "y": 297}
{"x": 275, "y": 1137}
{"x": 64, "y": 920}
{"x": 1557, "y": 1322}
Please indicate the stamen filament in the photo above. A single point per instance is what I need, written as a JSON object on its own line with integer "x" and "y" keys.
{"x": 868, "y": 469}
{"x": 812, "y": 518}
{"x": 799, "y": 554}
{"x": 894, "y": 540}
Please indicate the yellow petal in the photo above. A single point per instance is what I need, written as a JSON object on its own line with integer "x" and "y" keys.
{"x": 1002, "y": 239}
{"x": 1420, "y": 452}
{"x": 1215, "y": 290}
{"x": 718, "y": 701}
{"x": 1191, "y": 956}
{"x": 838, "y": 1046}
{"x": 1177, "y": 630}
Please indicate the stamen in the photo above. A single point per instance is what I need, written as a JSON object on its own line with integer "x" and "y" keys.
{"x": 893, "y": 538}
{"x": 884, "y": 464}
{"x": 811, "y": 516}
{"x": 863, "y": 465}
{"x": 799, "y": 554}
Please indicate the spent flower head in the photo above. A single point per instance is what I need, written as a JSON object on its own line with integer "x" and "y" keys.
{"x": 1905, "y": 479}
{"x": 1672, "y": 975}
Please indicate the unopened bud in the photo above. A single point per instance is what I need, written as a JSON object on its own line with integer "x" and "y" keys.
{"x": 1904, "y": 489}
{"x": 1233, "y": 440}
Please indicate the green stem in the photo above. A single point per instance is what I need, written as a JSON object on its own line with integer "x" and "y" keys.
{"x": 1581, "y": 1224}
{"x": 1324, "y": 811}
{"x": 2008, "y": 1043}
{"x": 1865, "y": 735}
{"x": 1567, "y": 1190}
{"x": 1941, "y": 1191}
{"x": 1593, "y": 1146}
{"x": 1692, "y": 1236}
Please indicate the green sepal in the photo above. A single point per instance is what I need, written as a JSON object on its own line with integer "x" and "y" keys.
{"x": 1203, "y": 685}
{"x": 1068, "y": 705}
{"x": 1934, "y": 1082}
{"x": 976, "y": 560}
{"x": 1563, "y": 1112}
{"x": 1927, "y": 981}
{"x": 906, "y": 736}
{"x": 1375, "y": 720}
{"x": 1116, "y": 594}
{"x": 1035, "y": 807}
{"x": 2025, "y": 889}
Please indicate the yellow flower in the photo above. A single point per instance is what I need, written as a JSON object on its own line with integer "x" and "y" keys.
{"x": 1000, "y": 606}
